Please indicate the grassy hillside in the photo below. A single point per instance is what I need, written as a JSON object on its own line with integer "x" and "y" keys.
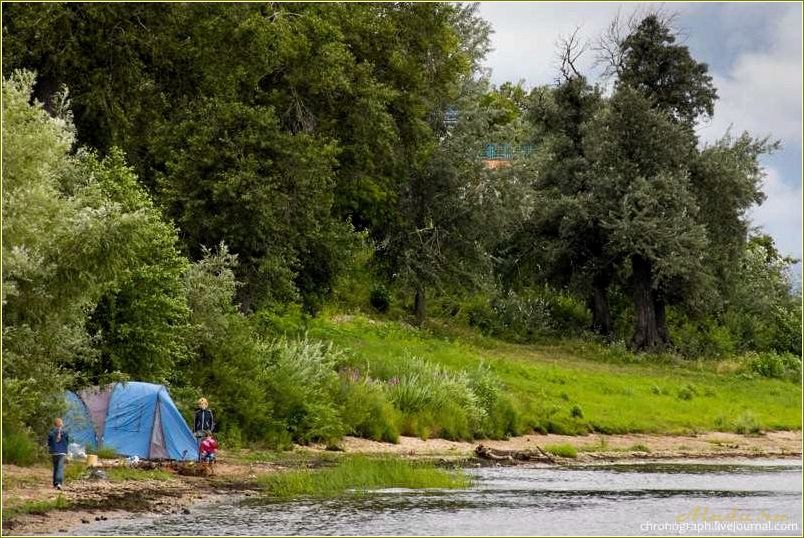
{"x": 578, "y": 386}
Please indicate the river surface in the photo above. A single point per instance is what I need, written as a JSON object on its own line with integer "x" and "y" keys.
{"x": 748, "y": 497}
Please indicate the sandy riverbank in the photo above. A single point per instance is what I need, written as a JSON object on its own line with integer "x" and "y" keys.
{"x": 91, "y": 499}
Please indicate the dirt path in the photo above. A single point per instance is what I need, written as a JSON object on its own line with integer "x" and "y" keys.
{"x": 91, "y": 499}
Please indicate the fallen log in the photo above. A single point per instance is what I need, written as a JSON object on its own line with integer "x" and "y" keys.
{"x": 537, "y": 455}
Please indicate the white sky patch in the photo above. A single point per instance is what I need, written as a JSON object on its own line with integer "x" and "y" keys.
{"x": 762, "y": 92}
{"x": 780, "y": 214}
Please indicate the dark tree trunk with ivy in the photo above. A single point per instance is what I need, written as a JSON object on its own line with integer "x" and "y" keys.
{"x": 650, "y": 326}
{"x": 599, "y": 305}
{"x": 420, "y": 305}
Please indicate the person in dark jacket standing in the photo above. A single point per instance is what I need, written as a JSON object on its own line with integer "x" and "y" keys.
{"x": 57, "y": 441}
{"x": 204, "y": 422}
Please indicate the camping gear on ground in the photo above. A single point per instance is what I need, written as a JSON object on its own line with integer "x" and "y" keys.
{"x": 76, "y": 452}
{"x": 97, "y": 474}
{"x": 92, "y": 460}
{"x": 134, "y": 419}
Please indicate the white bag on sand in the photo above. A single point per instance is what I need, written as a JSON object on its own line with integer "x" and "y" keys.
{"x": 76, "y": 451}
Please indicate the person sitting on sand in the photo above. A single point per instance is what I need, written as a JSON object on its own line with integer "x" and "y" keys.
{"x": 57, "y": 441}
{"x": 208, "y": 448}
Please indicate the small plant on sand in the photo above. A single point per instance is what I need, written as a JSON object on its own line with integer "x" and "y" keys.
{"x": 747, "y": 424}
{"x": 564, "y": 450}
{"x": 35, "y": 507}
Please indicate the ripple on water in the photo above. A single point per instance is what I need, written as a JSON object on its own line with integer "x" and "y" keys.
{"x": 598, "y": 499}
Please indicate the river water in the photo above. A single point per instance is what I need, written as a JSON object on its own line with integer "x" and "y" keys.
{"x": 734, "y": 497}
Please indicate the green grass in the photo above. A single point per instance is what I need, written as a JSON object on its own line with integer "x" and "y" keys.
{"x": 360, "y": 474}
{"x": 35, "y": 507}
{"x": 618, "y": 392}
{"x": 564, "y": 450}
{"x": 639, "y": 447}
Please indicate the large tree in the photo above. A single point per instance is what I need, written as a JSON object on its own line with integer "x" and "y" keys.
{"x": 563, "y": 241}
{"x": 225, "y": 109}
{"x": 642, "y": 193}
{"x": 78, "y": 231}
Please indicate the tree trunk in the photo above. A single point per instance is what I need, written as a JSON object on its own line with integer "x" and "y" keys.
{"x": 420, "y": 306}
{"x": 661, "y": 322}
{"x": 599, "y": 305}
{"x": 647, "y": 334}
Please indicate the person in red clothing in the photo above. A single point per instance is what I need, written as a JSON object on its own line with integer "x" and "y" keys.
{"x": 208, "y": 448}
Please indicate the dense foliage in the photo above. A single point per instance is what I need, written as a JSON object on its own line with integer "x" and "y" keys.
{"x": 184, "y": 184}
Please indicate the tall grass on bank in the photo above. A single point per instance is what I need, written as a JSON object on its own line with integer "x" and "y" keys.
{"x": 321, "y": 393}
{"x": 360, "y": 474}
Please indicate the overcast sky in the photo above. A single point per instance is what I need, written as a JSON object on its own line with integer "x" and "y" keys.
{"x": 754, "y": 55}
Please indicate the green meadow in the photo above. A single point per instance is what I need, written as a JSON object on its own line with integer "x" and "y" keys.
{"x": 576, "y": 386}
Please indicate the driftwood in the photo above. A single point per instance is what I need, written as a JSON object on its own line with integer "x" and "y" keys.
{"x": 513, "y": 456}
{"x": 193, "y": 468}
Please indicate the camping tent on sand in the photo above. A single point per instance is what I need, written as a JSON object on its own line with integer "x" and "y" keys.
{"x": 135, "y": 419}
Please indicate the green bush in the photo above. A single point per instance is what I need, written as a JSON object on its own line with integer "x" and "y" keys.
{"x": 701, "y": 338}
{"x": 380, "y": 299}
{"x": 774, "y": 365}
{"x": 747, "y": 424}
{"x": 687, "y": 392}
{"x": 527, "y": 314}
{"x": 20, "y": 449}
{"x": 576, "y": 411}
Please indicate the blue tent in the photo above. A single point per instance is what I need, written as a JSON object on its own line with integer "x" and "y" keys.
{"x": 135, "y": 419}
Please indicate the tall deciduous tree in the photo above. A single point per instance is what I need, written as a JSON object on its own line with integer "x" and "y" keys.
{"x": 563, "y": 240}
{"x": 644, "y": 197}
{"x": 77, "y": 230}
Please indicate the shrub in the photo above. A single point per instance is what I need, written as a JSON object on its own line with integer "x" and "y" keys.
{"x": 687, "y": 392}
{"x": 478, "y": 313}
{"x": 380, "y": 299}
{"x": 564, "y": 450}
{"x": 639, "y": 447}
{"x": 302, "y": 383}
{"x": 746, "y": 424}
{"x": 576, "y": 411}
{"x": 521, "y": 316}
{"x": 700, "y": 338}
{"x": 19, "y": 448}
{"x": 774, "y": 365}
